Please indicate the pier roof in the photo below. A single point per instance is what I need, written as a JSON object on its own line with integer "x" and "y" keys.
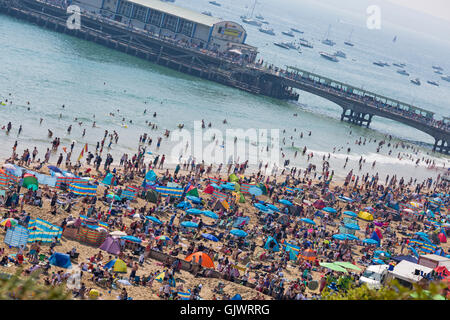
{"x": 177, "y": 11}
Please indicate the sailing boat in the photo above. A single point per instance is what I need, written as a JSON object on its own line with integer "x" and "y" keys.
{"x": 327, "y": 41}
{"x": 250, "y": 20}
{"x": 348, "y": 42}
{"x": 395, "y": 39}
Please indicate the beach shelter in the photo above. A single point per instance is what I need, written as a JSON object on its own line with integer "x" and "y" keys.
{"x": 333, "y": 266}
{"x": 189, "y": 224}
{"x": 241, "y": 197}
{"x": 30, "y": 182}
{"x": 237, "y": 296}
{"x": 263, "y": 187}
{"x": 194, "y": 211}
{"x": 111, "y": 245}
{"x": 255, "y": 191}
{"x": 184, "y": 205}
{"x": 151, "y": 196}
{"x": 210, "y": 214}
{"x": 352, "y": 226}
{"x": 150, "y": 176}
{"x": 272, "y": 244}
{"x": 375, "y": 237}
{"x": 370, "y": 241}
{"x": 209, "y": 189}
{"x": 319, "y": 204}
{"x": 206, "y": 260}
{"x": 60, "y": 260}
{"x": 109, "y": 180}
{"x": 233, "y": 178}
{"x": 238, "y": 233}
{"x": 285, "y": 202}
{"x": 347, "y": 265}
{"x": 261, "y": 207}
{"x": 442, "y": 237}
{"x": 364, "y": 215}
{"x": 117, "y": 265}
{"x": 131, "y": 239}
{"x": 329, "y": 210}
{"x": 350, "y": 213}
{"x": 193, "y": 192}
{"x": 154, "y": 219}
{"x": 16, "y": 236}
{"x": 309, "y": 221}
{"x": 272, "y": 207}
{"x": 209, "y": 237}
{"x": 308, "y": 254}
{"x": 194, "y": 199}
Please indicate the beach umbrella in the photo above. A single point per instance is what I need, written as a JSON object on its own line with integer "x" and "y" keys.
{"x": 309, "y": 221}
{"x": 131, "y": 239}
{"x": 261, "y": 207}
{"x": 347, "y": 265}
{"x": 194, "y": 211}
{"x": 117, "y": 265}
{"x": 194, "y": 199}
{"x": 350, "y": 213}
{"x": 272, "y": 207}
{"x": 329, "y": 210}
{"x": 184, "y": 205}
{"x": 189, "y": 224}
{"x": 352, "y": 226}
{"x": 215, "y": 186}
{"x": 210, "y": 214}
{"x": 9, "y": 222}
{"x": 238, "y": 233}
{"x": 237, "y": 296}
{"x": 55, "y": 169}
{"x": 30, "y": 182}
{"x": 382, "y": 253}
{"x": 340, "y": 236}
{"x": 117, "y": 234}
{"x": 378, "y": 261}
{"x": 227, "y": 186}
{"x": 422, "y": 234}
{"x": 163, "y": 237}
{"x": 351, "y": 236}
{"x": 209, "y": 237}
{"x": 285, "y": 202}
{"x": 370, "y": 241}
{"x": 114, "y": 196}
{"x": 255, "y": 191}
{"x": 154, "y": 219}
{"x": 333, "y": 266}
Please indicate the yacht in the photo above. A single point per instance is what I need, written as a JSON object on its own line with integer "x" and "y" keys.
{"x": 403, "y": 72}
{"x": 281, "y": 45}
{"x": 433, "y": 83}
{"x": 328, "y": 56}
{"x": 296, "y": 30}
{"x": 446, "y": 78}
{"x": 438, "y": 71}
{"x": 289, "y": 33}
{"x": 400, "y": 65}
{"x": 268, "y": 31}
{"x": 416, "y": 81}
{"x": 291, "y": 45}
{"x": 215, "y": 3}
{"x": 349, "y": 42}
{"x": 252, "y": 22}
{"x": 379, "y": 63}
{"x": 340, "y": 54}
{"x": 259, "y": 17}
{"x": 438, "y": 68}
{"x": 207, "y": 13}
{"x": 327, "y": 41}
{"x": 305, "y": 43}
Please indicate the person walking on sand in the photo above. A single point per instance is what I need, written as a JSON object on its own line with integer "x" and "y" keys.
{"x": 60, "y": 159}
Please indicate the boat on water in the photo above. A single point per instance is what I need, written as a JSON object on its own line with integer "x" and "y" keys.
{"x": 446, "y": 78}
{"x": 438, "y": 72}
{"x": 252, "y": 22}
{"x": 281, "y": 45}
{"x": 328, "y": 56}
{"x": 305, "y": 43}
{"x": 438, "y": 68}
{"x": 340, "y": 54}
{"x": 403, "y": 72}
{"x": 400, "y": 65}
{"x": 267, "y": 31}
{"x": 349, "y": 41}
{"x": 259, "y": 17}
{"x": 296, "y": 30}
{"x": 381, "y": 64}
{"x": 416, "y": 81}
{"x": 264, "y": 22}
{"x": 207, "y": 13}
{"x": 327, "y": 41}
{"x": 215, "y": 3}
{"x": 434, "y": 83}
{"x": 291, "y": 45}
{"x": 289, "y": 33}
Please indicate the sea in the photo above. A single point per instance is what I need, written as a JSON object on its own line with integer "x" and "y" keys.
{"x": 95, "y": 83}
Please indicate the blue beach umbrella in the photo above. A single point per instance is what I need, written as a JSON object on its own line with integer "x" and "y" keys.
{"x": 352, "y": 226}
{"x": 370, "y": 241}
{"x": 55, "y": 169}
{"x": 272, "y": 207}
{"x": 215, "y": 186}
{"x": 351, "y": 236}
{"x": 154, "y": 219}
{"x": 194, "y": 211}
{"x": 194, "y": 199}
{"x": 238, "y": 233}
{"x": 340, "y": 236}
{"x": 329, "y": 210}
{"x": 210, "y": 214}
{"x": 116, "y": 197}
{"x": 261, "y": 207}
{"x": 285, "y": 202}
{"x": 184, "y": 205}
{"x": 255, "y": 191}
{"x": 378, "y": 261}
{"x": 381, "y": 252}
{"x": 189, "y": 224}
{"x": 132, "y": 239}
{"x": 209, "y": 237}
{"x": 227, "y": 186}
{"x": 422, "y": 234}
{"x": 309, "y": 221}
{"x": 350, "y": 213}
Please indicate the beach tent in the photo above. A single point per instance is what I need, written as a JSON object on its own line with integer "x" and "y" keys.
{"x": 442, "y": 237}
{"x": 263, "y": 187}
{"x": 364, "y": 215}
{"x": 308, "y": 254}
{"x": 194, "y": 199}
{"x": 151, "y": 196}
{"x": 233, "y": 178}
{"x": 16, "y": 236}
{"x": 30, "y": 182}
{"x": 91, "y": 234}
{"x": 319, "y": 204}
{"x": 193, "y": 192}
{"x": 111, "y": 245}
{"x": 238, "y": 233}
{"x": 375, "y": 237}
{"x": 240, "y": 222}
{"x": 207, "y": 262}
{"x": 117, "y": 265}
{"x": 60, "y": 260}
{"x": 150, "y": 176}
{"x": 237, "y": 296}
{"x": 184, "y": 205}
{"x": 109, "y": 180}
{"x": 209, "y": 189}
{"x": 272, "y": 244}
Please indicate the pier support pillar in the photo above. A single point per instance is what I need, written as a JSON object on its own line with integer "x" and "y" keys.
{"x": 441, "y": 146}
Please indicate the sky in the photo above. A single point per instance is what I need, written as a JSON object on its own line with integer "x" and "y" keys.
{"x": 436, "y": 8}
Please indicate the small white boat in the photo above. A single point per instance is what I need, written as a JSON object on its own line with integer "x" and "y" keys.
{"x": 340, "y": 54}
{"x": 328, "y": 56}
{"x": 289, "y": 33}
{"x": 268, "y": 31}
{"x": 416, "y": 81}
{"x": 403, "y": 72}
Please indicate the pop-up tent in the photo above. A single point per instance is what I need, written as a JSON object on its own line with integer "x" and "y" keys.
{"x": 272, "y": 244}
{"x": 60, "y": 260}
{"x": 151, "y": 196}
{"x": 206, "y": 260}
{"x": 111, "y": 245}
{"x": 109, "y": 180}
{"x": 209, "y": 189}
{"x": 364, "y": 215}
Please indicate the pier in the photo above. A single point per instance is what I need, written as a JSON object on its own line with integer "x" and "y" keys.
{"x": 358, "y": 105}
